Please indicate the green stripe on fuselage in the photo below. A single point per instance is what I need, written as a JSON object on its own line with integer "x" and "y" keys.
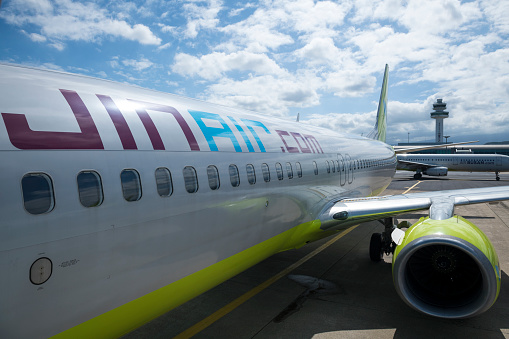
{"x": 131, "y": 315}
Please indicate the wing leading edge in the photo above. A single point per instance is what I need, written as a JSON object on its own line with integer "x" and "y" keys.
{"x": 441, "y": 205}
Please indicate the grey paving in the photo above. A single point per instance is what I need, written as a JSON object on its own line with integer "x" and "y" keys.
{"x": 362, "y": 302}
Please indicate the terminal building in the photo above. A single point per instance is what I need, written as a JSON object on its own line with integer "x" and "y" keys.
{"x": 439, "y": 114}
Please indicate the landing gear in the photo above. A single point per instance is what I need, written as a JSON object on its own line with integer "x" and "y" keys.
{"x": 417, "y": 176}
{"x": 496, "y": 176}
{"x": 375, "y": 247}
{"x": 382, "y": 242}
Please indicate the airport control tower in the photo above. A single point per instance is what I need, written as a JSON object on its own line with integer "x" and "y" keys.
{"x": 439, "y": 114}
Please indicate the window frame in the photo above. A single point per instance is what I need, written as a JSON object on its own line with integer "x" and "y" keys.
{"x": 140, "y": 189}
{"x": 195, "y": 183}
{"x": 266, "y": 172}
{"x": 101, "y": 189}
{"x": 170, "y": 182}
{"x": 251, "y": 174}
{"x": 51, "y": 192}
{"x": 215, "y": 178}
{"x": 234, "y": 175}
{"x": 279, "y": 171}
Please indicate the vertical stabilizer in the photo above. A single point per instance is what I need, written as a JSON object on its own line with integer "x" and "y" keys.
{"x": 379, "y": 131}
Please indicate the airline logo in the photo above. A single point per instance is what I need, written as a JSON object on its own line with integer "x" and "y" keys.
{"x": 211, "y": 125}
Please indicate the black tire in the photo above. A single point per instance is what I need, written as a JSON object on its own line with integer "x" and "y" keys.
{"x": 417, "y": 176}
{"x": 498, "y": 178}
{"x": 375, "y": 247}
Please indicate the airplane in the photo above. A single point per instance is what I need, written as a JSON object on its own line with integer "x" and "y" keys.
{"x": 440, "y": 164}
{"x": 120, "y": 203}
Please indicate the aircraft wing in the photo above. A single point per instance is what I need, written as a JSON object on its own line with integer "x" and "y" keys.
{"x": 413, "y": 165}
{"x": 441, "y": 205}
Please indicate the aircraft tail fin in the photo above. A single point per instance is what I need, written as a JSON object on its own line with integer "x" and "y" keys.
{"x": 379, "y": 131}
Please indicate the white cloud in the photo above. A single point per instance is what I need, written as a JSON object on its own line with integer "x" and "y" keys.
{"x": 266, "y": 94}
{"x": 201, "y": 17}
{"x": 67, "y": 20}
{"x": 213, "y": 66}
{"x": 138, "y": 65}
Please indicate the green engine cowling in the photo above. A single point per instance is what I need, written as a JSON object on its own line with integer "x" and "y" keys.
{"x": 446, "y": 268}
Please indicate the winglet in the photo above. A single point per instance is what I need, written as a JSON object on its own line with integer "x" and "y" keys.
{"x": 379, "y": 131}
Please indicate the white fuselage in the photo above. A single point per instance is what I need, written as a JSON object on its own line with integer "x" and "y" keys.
{"x": 460, "y": 162}
{"x": 111, "y": 253}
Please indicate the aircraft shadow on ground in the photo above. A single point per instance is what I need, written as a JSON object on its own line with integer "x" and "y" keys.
{"x": 373, "y": 304}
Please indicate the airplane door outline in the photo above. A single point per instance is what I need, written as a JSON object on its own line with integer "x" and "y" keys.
{"x": 342, "y": 172}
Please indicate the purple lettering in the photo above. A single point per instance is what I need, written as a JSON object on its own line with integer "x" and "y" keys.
{"x": 289, "y": 148}
{"x": 23, "y": 137}
{"x": 303, "y": 149}
{"x": 313, "y": 142}
{"x": 125, "y": 134}
{"x": 151, "y": 129}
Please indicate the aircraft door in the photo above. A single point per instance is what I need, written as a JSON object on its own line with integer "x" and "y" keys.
{"x": 499, "y": 161}
{"x": 349, "y": 169}
{"x": 341, "y": 171}
{"x": 455, "y": 161}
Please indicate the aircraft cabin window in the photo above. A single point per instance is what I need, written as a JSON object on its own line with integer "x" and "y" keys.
{"x": 38, "y": 195}
{"x": 266, "y": 172}
{"x": 251, "y": 176}
{"x": 279, "y": 171}
{"x": 315, "y": 166}
{"x": 327, "y": 166}
{"x": 163, "y": 182}
{"x": 289, "y": 170}
{"x": 213, "y": 175}
{"x": 299, "y": 169}
{"x": 333, "y": 166}
{"x": 131, "y": 184}
{"x": 90, "y": 188}
{"x": 190, "y": 179}
{"x": 234, "y": 175}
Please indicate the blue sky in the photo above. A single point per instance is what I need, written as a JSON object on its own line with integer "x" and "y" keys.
{"x": 324, "y": 59}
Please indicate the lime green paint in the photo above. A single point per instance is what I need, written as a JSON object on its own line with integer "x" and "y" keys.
{"x": 129, "y": 316}
{"x": 457, "y": 227}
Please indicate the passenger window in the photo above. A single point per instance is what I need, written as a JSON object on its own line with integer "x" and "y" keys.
{"x": 266, "y": 172}
{"x": 234, "y": 175}
{"x": 315, "y": 166}
{"x": 333, "y": 166}
{"x": 327, "y": 166}
{"x": 90, "y": 188}
{"x": 38, "y": 195}
{"x": 279, "y": 171}
{"x": 213, "y": 175}
{"x": 251, "y": 176}
{"x": 299, "y": 169}
{"x": 131, "y": 185}
{"x": 190, "y": 179}
{"x": 289, "y": 170}
{"x": 163, "y": 182}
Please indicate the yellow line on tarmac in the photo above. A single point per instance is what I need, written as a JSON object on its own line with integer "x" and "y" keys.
{"x": 200, "y": 326}
{"x": 408, "y": 190}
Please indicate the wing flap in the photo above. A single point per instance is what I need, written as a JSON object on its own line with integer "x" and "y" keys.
{"x": 353, "y": 211}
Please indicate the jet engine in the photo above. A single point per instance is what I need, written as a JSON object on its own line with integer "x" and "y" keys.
{"x": 436, "y": 171}
{"x": 446, "y": 268}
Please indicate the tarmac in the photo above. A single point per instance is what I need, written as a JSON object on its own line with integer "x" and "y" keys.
{"x": 336, "y": 291}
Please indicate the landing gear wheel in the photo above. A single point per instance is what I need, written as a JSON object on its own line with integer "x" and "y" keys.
{"x": 375, "y": 247}
{"x": 498, "y": 178}
{"x": 417, "y": 176}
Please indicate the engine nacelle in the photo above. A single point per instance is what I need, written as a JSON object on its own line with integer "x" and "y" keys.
{"x": 436, "y": 171}
{"x": 446, "y": 268}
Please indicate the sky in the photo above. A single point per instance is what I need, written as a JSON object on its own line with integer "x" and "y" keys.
{"x": 322, "y": 59}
